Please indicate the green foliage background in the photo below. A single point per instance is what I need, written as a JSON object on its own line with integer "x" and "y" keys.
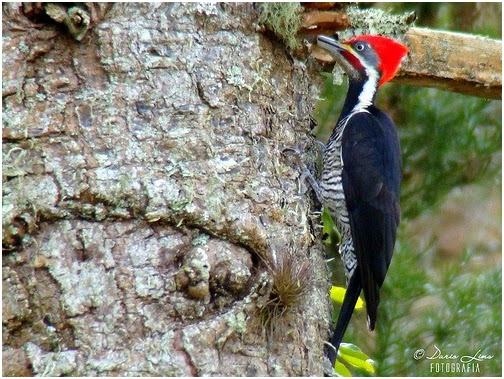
{"x": 450, "y": 142}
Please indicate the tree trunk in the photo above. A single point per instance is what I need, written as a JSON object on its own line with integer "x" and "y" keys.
{"x": 147, "y": 208}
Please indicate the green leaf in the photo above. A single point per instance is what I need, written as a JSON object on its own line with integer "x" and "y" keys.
{"x": 329, "y": 228}
{"x": 332, "y": 237}
{"x": 354, "y": 356}
{"x": 338, "y": 294}
{"x": 341, "y": 369}
{"x": 352, "y": 350}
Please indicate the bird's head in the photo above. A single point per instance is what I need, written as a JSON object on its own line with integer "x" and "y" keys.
{"x": 367, "y": 55}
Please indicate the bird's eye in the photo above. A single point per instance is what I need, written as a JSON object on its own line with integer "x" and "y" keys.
{"x": 359, "y": 47}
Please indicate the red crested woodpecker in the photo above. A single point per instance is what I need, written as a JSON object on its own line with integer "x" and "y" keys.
{"x": 361, "y": 173}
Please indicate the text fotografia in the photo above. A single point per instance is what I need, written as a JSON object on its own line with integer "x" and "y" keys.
{"x": 456, "y": 363}
{"x": 444, "y": 368}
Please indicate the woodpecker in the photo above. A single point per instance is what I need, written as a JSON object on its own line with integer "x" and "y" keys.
{"x": 361, "y": 173}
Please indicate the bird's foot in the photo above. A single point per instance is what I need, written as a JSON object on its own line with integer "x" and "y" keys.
{"x": 306, "y": 175}
{"x": 305, "y": 172}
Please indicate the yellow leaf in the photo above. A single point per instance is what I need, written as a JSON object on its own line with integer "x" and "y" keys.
{"x": 338, "y": 294}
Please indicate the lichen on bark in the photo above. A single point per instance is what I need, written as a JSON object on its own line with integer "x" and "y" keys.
{"x": 145, "y": 188}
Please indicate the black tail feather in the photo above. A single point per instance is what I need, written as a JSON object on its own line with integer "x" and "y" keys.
{"x": 352, "y": 294}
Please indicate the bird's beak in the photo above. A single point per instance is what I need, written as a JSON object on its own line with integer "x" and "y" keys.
{"x": 342, "y": 52}
{"x": 332, "y": 45}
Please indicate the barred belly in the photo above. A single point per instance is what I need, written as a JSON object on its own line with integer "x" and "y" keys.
{"x": 333, "y": 197}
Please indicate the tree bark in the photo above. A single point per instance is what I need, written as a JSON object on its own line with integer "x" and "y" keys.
{"x": 146, "y": 199}
{"x": 455, "y": 62}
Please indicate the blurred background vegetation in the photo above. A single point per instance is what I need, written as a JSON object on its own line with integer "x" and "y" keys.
{"x": 444, "y": 286}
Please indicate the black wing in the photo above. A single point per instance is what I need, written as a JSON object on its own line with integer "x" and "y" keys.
{"x": 371, "y": 180}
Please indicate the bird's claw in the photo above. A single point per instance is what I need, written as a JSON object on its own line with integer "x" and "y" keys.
{"x": 295, "y": 151}
{"x": 305, "y": 172}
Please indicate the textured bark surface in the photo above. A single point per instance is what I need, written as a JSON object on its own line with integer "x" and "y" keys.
{"x": 143, "y": 188}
